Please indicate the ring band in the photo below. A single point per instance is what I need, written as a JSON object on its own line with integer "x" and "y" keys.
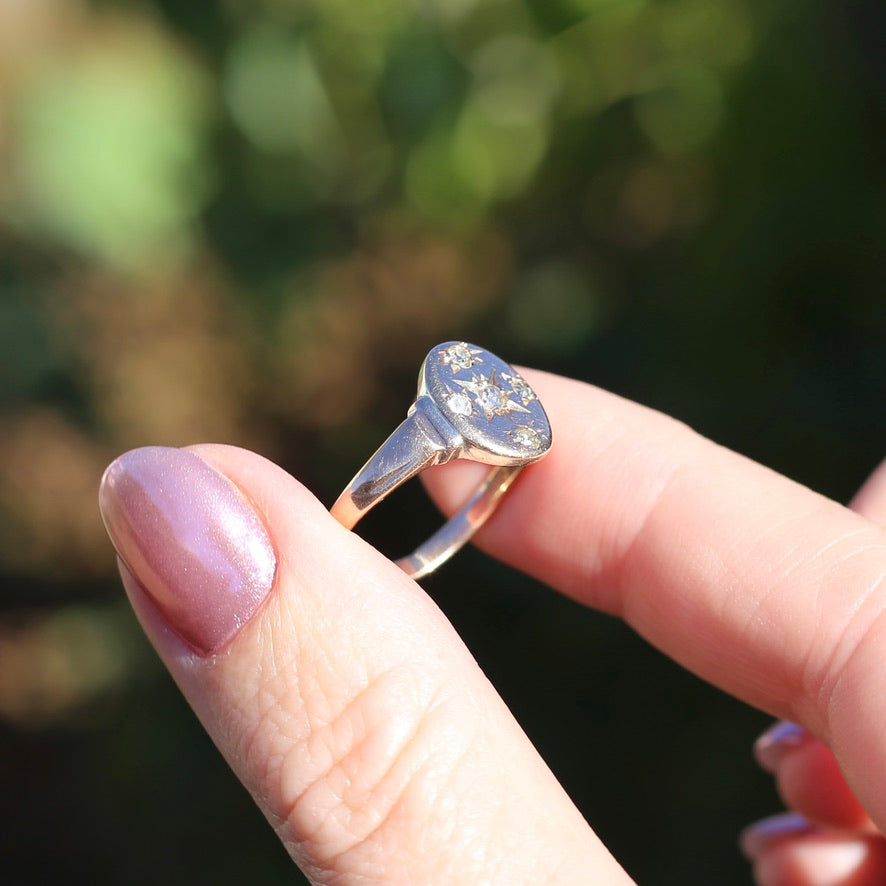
{"x": 470, "y": 404}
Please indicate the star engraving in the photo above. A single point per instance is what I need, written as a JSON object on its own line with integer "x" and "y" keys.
{"x": 491, "y": 399}
{"x": 459, "y": 356}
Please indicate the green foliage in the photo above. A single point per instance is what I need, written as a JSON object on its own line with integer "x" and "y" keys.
{"x": 249, "y": 221}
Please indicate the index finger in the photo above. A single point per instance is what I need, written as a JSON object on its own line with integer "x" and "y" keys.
{"x": 754, "y": 582}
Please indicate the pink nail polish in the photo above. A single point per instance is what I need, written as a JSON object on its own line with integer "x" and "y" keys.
{"x": 780, "y": 739}
{"x": 191, "y": 539}
{"x": 766, "y": 833}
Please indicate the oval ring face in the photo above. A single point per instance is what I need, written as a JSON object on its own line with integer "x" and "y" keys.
{"x": 488, "y": 402}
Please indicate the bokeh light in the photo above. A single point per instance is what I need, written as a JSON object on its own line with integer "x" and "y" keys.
{"x": 248, "y": 222}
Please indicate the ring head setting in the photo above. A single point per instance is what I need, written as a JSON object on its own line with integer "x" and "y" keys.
{"x": 489, "y": 404}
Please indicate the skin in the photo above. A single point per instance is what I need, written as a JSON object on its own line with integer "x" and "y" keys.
{"x": 380, "y": 753}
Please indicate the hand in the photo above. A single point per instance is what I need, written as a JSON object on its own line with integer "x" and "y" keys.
{"x": 351, "y": 710}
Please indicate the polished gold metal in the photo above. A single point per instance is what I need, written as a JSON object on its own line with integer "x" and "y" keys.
{"x": 470, "y": 404}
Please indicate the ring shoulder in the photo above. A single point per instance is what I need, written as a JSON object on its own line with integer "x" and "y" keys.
{"x": 423, "y": 439}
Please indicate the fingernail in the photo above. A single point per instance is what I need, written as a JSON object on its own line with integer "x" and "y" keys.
{"x": 761, "y": 835}
{"x": 191, "y": 539}
{"x": 777, "y": 741}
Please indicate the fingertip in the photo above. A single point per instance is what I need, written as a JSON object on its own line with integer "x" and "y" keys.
{"x": 823, "y": 859}
{"x": 808, "y": 776}
{"x": 192, "y": 540}
{"x": 761, "y": 836}
{"x": 777, "y": 741}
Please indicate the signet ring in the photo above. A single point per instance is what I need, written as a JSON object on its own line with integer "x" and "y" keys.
{"x": 470, "y": 404}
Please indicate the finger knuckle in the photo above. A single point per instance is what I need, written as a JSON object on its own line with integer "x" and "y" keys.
{"x": 354, "y": 776}
{"x": 860, "y": 633}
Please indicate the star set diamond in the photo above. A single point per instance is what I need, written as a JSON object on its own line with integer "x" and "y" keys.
{"x": 491, "y": 395}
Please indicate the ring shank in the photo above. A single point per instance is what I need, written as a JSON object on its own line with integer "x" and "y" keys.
{"x": 457, "y": 531}
{"x": 419, "y": 443}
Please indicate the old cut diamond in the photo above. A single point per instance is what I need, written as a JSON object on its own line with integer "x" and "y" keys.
{"x": 460, "y": 356}
{"x": 520, "y": 388}
{"x": 460, "y": 404}
{"x": 526, "y": 437}
{"x": 491, "y": 398}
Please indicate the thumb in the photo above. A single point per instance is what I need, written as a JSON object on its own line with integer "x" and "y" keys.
{"x": 335, "y": 688}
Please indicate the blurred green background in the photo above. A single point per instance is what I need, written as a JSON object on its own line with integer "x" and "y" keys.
{"x": 248, "y": 222}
